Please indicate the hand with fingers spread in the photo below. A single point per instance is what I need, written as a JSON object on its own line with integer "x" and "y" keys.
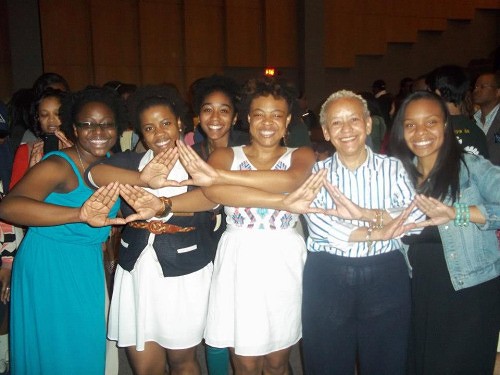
{"x": 345, "y": 208}
{"x": 202, "y": 174}
{"x": 299, "y": 201}
{"x": 64, "y": 142}
{"x": 36, "y": 153}
{"x": 145, "y": 204}
{"x": 96, "y": 209}
{"x": 155, "y": 173}
{"x": 437, "y": 212}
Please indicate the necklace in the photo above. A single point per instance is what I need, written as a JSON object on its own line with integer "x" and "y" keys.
{"x": 80, "y": 158}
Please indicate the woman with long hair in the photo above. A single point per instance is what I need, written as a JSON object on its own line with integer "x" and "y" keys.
{"x": 455, "y": 261}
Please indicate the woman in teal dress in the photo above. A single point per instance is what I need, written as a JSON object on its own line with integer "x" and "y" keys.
{"x": 57, "y": 316}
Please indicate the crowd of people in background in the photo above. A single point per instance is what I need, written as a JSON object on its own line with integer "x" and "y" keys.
{"x": 243, "y": 220}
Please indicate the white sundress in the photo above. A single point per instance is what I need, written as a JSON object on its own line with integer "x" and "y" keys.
{"x": 256, "y": 292}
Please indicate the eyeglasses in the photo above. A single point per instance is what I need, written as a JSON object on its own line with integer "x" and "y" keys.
{"x": 88, "y": 125}
{"x": 484, "y": 86}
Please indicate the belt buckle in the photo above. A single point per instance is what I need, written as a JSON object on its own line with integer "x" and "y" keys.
{"x": 155, "y": 227}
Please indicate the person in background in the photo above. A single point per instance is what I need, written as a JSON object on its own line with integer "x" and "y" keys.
{"x": 6, "y": 150}
{"x": 420, "y": 84}
{"x": 455, "y": 262}
{"x": 323, "y": 150}
{"x": 45, "y": 125}
{"x": 384, "y": 100}
{"x": 53, "y": 80}
{"x": 405, "y": 86}
{"x": 10, "y": 238}
{"x": 128, "y": 139}
{"x": 486, "y": 95}
{"x": 379, "y": 137}
{"x": 19, "y": 107}
{"x": 215, "y": 101}
{"x": 57, "y": 305}
{"x": 47, "y": 80}
{"x": 452, "y": 84}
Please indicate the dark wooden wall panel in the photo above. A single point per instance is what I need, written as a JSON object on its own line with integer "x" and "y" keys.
{"x": 244, "y": 33}
{"x": 204, "y": 38}
{"x": 402, "y": 21}
{"x": 281, "y": 33}
{"x": 115, "y": 40}
{"x": 341, "y": 33}
{"x": 488, "y": 4}
{"x": 5, "y": 64}
{"x": 461, "y": 9}
{"x": 161, "y": 31}
{"x": 66, "y": 40}
{"x": 178, "y": 41}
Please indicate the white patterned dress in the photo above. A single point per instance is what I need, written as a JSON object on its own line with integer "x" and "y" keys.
{"x": 256, "y": 291}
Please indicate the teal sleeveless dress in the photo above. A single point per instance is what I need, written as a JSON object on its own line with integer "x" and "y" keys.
{"x": 57, "y": 309}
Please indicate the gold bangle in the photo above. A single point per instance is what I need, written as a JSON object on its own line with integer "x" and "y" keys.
{"x": 167, "y": 207}
{"x": 378, "y": 222}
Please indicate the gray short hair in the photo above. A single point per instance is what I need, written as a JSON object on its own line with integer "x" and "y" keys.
{"x": 342, "y": 94}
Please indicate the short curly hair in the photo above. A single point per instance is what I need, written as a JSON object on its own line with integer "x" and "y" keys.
{"x": 72, "y": 104}
{"x": 215, "y": 83}
{"x": 148, "y": 96}
{"x": 265, "y": 86}
{"x": 341, "y": 94}
{"x": 49, "y": 92}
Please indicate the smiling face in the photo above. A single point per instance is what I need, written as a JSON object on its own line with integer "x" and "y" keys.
{"x": 48, "y": 114}
{"x": 424, "y": 128}
{"x": 95, "y": 142}
{"x": 346, "y": 127}
{"x": 268, "y": 119}
{"x": 160, "y": 127}
{"x": 217, "y": 115}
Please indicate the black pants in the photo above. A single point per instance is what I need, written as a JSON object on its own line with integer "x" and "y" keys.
{"x": 453, "y": 332}
{"x": 355, "y": 307}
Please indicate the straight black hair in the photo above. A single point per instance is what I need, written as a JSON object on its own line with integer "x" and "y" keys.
{"x": 443, "y": 180}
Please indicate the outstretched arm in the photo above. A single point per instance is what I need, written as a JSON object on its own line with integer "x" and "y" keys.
{"x": 25, "y": 205}
{"x": 273, "y": 181}
{"x": 439, "y": 213}
{"x": 154, "y": 175}
{"x": 147, "y": 205}
{"x": 346, "y": 209}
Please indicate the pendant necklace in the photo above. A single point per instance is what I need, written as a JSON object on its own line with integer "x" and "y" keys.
{"x": 80, "y": 158}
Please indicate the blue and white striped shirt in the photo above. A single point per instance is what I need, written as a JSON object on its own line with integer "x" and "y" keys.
{"x": 381, "y": 182}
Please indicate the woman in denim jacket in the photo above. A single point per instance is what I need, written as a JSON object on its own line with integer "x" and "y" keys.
{"x": 456, "y": 259}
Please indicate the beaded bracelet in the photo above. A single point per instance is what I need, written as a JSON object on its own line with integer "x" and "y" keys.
{"x": 462, "y": 214}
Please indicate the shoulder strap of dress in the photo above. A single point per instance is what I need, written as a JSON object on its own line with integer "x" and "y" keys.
{"x": 238, "y": 153}
{"x": 70, "y": 162}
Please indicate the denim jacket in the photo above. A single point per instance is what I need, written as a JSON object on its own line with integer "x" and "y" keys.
{"x": 472, "y": 253}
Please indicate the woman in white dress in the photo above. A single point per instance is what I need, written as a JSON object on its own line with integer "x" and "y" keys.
{"x": 256, "y": 291}
{"x": 160, "y": 296}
